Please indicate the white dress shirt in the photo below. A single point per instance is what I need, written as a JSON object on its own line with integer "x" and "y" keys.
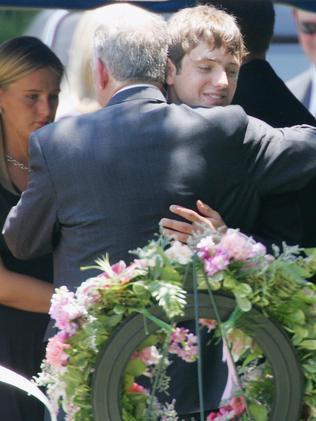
{"x": 312, "y": 103}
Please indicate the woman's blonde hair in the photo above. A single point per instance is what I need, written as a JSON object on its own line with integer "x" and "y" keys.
{"x": 22, "y": 55}
{"x": 78, "y": 90}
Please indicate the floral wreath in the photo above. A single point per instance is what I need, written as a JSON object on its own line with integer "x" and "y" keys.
{"x": 229, "y": 263}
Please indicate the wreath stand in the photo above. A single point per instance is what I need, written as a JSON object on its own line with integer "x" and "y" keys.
{"x": 270, "y": 337}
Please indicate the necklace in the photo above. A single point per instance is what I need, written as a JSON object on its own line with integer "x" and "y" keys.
{"x": 16, "y": 163}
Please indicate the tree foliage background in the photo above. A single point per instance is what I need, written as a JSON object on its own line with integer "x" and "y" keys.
{"x": 14, "y": 22}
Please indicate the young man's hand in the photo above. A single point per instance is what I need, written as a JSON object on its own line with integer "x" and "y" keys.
{"x": 181, "y": 231}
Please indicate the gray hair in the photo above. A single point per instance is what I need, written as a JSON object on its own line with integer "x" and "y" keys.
{"x": 133, "y": 43}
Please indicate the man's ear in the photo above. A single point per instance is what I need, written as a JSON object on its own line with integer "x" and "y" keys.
{"x": 171, "y": 72}
{"x": 103, "y": 74}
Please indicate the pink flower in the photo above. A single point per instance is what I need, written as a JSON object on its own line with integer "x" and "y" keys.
{"x": 184, "y": 344}
{"x": 65, "y": 310}
{"x": 208, "y": 323}
{"x": 240, "y": 247}
{"x": 212, "y": 416}
{"x": 214, "y": 257}
{"x": 87, "y": 293}
{"x": 55, "y": 350}
{"x": 217, "y": 253}
{"x": 136, "y": 388}
{"x": 145, "y": 263}
{"x": 224, "y": 414}
{"x": 119, "y": 267}
{"x": 219, "y": 261}
{"x": 72, "y": 409}
{"x": 148, "y": 355}
{"x": 118, "y": 272}
{"x": 238, "y": 405}
{"x": 235, "y": 407}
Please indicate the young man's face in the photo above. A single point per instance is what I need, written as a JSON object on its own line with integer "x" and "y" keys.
{"x": 207, "y": 77}
{"x": 306, "y": 25}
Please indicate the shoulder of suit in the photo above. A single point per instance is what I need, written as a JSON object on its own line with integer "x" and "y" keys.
{"x": 66, "y": 126}
{"x": 219, "y": 127}
{"x": 229, "y": 118}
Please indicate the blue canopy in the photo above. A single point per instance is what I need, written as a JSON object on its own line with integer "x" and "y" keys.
{"x": 308, "y": 5}
{"x": 155, "y": 5}
{"x": 159, "y": 5}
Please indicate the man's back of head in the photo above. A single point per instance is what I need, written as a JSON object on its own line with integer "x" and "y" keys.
{"x": 132, "y": 43}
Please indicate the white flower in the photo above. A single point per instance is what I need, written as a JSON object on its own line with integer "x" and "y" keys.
{"x": 179, "y": 252}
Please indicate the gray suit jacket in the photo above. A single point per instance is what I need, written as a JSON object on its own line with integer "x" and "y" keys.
{"x": 101, "y": 182}
{"x": 301, "y": 87}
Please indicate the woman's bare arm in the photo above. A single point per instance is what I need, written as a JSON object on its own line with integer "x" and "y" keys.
{"x": 24, "y": 292}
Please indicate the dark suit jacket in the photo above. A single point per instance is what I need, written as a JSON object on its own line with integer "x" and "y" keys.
{"x": 301, "y": 86}
{"x": 264, "y": 95}
{"x": 101, "y": 182}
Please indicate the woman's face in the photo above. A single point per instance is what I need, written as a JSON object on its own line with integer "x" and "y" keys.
{"x": 28, "y": 104}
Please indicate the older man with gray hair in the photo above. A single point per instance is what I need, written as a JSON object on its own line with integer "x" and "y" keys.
{"x": 101, "y": 182}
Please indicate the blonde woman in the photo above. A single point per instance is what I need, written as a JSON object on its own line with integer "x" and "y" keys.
{"x": 78, "y": 94}
{"x": 30, "y": 76}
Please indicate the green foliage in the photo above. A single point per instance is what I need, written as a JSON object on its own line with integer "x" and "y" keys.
{"x": 14, "y": 22}
{"x": 169, "y": 296}
{"x": 259, "y": 412}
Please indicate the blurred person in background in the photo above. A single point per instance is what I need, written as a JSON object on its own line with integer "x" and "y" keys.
{"x": 303, "y": 85}
{"x": 30, "y": 75}
{"x": 78, "y": 93}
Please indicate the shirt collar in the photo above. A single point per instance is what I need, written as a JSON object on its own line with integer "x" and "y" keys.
{"x": 136, "y": 85}
{"x": 312, "y": 103}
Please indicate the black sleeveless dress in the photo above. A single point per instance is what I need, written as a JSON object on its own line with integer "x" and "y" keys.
{"x": 21, "y": 332}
